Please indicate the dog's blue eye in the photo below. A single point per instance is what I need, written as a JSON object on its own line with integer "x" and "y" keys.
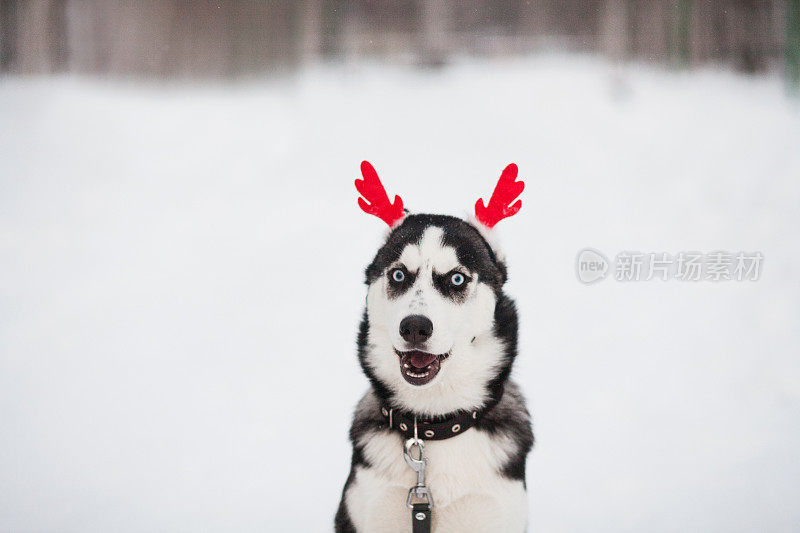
{"x": 398, "y": 275}
{"x": 457, "y": 279}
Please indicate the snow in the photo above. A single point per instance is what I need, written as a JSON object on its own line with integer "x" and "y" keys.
{"x": 181, "y": 281}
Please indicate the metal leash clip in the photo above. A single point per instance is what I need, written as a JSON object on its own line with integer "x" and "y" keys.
{"x": 419, "y": 491}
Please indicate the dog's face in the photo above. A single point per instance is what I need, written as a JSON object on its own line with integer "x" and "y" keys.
{"x": 429, "y": 337}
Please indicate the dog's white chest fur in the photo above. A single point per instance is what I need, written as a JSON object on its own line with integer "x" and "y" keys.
{"x": 463, "y": 475}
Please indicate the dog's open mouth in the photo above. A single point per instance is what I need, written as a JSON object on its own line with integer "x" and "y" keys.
{"x": 419, "y": 368}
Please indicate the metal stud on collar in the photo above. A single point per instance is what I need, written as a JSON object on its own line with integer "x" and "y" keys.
{"x": 456, "y": 428}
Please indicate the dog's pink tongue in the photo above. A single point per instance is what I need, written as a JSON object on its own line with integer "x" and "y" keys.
{"x": 421, "y": 359}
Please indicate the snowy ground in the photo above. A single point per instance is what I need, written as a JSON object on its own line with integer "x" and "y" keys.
{"x": 180, "y": 284}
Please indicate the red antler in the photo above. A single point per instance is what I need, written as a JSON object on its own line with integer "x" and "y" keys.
{"x": 500, "y": 207}
{"x": 372, "y": 189}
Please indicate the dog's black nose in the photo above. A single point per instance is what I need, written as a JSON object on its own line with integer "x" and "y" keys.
{"x": 416, "y": 329}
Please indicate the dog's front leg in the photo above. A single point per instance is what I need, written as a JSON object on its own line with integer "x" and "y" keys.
{"x": 387, "y": 513}
{"x": 480, "y": 513}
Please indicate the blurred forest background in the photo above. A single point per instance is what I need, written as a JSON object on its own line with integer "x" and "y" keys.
{"x": 181, "y": 260}
{"x": 241, "y": 38}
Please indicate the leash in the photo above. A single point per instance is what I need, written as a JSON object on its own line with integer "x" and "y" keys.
{"x": 420, "y": 499}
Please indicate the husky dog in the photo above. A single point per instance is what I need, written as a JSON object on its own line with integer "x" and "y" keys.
{"x": 437, "y": 341}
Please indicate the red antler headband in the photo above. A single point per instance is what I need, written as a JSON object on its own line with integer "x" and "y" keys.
{"x": 375, "y": 201}
{"x": 500, "y": 206}
{"x": 372, "y": 189}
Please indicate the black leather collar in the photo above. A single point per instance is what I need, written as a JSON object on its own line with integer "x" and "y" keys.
{"x": 437, "y": 427}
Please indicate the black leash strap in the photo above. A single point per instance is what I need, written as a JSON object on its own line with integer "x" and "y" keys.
{"x": 420, "y": 499}
{"x": 421, "y": 518}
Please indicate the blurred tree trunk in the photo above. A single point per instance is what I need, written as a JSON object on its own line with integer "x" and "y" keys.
{"x": 34, "y": 36}
{"x": 90, "y": 35}
{"x": 8, "y": 35}
{"x": 57, "y": 26}
{"x": 311, "y": 18}
{"x": 793, "y": 43}
{"x": 680, "y": 46}
{"x": 614, "y": 29}
{"x": 435, "y": 30}
{"x": 649, "y": 24}
{"x": 708, "y": 32}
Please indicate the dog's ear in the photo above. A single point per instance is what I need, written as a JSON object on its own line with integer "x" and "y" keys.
{"x": 501, "y": 204}
{"x": 496, "y": 254}
{"x": 371, "y": 188}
